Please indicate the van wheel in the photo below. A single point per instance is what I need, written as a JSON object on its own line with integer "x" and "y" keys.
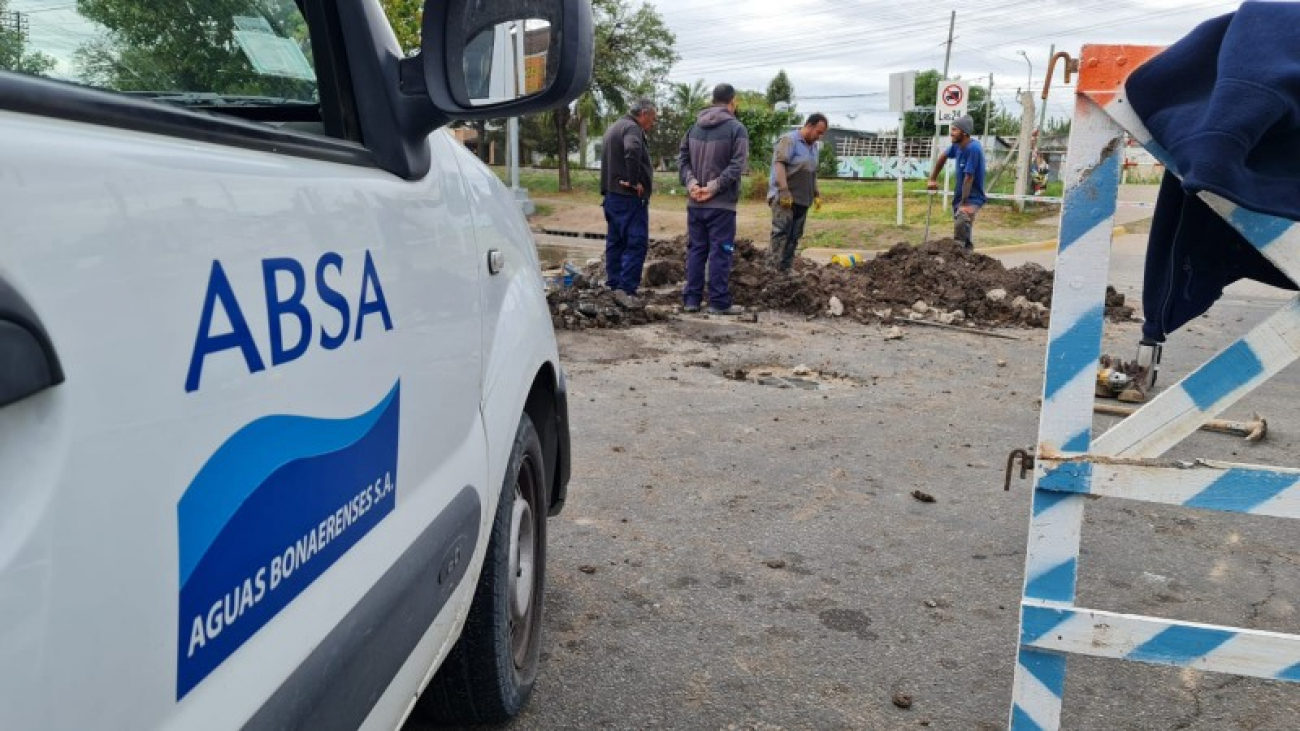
{"x": 489, "y": 673}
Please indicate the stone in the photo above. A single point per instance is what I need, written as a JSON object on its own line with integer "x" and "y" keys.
{"x": 802, "y": 370}
{"x": 836, "y": 308}
{"x": 894, "y": 333}
{"x": 920, "y": 307}
{"x": 996, "y": 295}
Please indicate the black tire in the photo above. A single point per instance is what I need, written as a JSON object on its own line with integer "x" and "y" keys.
{"x": 489, "y": 674}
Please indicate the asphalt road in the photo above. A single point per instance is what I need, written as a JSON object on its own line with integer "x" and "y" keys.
{"x": 736, "y": 555}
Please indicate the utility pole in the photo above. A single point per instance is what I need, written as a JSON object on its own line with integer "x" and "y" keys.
{"x": 1026, "y": 141}
{"x": 988, "y": 110}
{"x": 934, "y": 144}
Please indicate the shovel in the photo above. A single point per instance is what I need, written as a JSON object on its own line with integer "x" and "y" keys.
{"x": 928, "y": 209}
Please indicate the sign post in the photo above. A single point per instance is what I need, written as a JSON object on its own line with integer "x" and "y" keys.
{"x": 950, "y": 102}
{"x": 902, "y": 99}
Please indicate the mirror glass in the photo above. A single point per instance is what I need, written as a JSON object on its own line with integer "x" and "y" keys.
{"x": 508, "y": 61}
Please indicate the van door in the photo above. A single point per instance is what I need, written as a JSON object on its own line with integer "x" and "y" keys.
{"x": 271, "y": 358}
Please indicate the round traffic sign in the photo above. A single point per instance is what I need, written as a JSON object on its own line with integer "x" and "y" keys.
{"x": 952, "y": 95}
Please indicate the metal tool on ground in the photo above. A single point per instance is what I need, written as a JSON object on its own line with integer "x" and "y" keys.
{"x": 1127, "y": 381}
{"x": 1253, "y": 430}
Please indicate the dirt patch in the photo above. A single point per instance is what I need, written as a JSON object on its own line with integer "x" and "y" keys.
{"x": 937, "y": 281}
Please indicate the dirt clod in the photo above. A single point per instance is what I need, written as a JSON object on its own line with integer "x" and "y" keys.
{"x": 902, "y": 700}
{"x": 924, "y": 497}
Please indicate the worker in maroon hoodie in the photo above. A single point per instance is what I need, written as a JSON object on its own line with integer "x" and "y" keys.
{"x": 711, "y": 161}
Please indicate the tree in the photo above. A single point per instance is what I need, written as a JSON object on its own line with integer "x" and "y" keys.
{"x": 405, "y": 17}
{"x": 689, "y": 98}
{"x": 679, "y": 104}
{"x": 14, "y": 55}
{"x": 160, "y": 45}
{"x": 780, "y": 89}
{"x": 828, "y": 163}
{"x": 1057, "y": 126}
{"x": 764, "y": 124}
{"x": 633, "y": 53}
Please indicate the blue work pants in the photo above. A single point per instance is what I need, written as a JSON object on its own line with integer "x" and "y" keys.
{"x": 712, "y": 240}
{"x": 627, "y": 236}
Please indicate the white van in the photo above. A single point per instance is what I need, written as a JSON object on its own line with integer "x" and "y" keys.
{"x": 281, "y": 413}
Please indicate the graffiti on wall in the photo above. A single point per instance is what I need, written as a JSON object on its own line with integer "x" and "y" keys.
{"x": 884, "y": 167}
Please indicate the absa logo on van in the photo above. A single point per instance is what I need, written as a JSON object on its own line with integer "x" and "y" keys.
{"x": 277, "y": 504}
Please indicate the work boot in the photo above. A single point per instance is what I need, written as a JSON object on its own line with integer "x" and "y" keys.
{"x": 691, "y": 308}
{"x": 628, "y": 301}
{"x": 732, "y": 310}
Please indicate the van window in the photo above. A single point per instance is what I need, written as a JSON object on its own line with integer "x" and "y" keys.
{"x": 252, "y": 58}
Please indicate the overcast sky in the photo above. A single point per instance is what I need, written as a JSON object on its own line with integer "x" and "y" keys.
{"x": 839, "y": 53}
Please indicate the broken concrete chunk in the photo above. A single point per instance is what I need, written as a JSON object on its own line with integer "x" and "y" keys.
{"x": 802, "y": 370}
{"x": 894, "y": 333}
{"x": 920, "y": 307}
{"x": 997, "y": 295}
{"x": 836, "y": 308}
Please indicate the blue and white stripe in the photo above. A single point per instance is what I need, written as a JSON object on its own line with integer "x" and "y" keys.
{"x": 1074, "y": 344}
{"x": 1050, "y": 625}
{"x": 1204, "y": 484}
{"x": 1254, "y": 653}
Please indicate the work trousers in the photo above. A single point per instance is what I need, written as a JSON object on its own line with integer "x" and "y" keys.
{"x": 712, "y": 240}
{"x": 962, "y": 223}
{"x": 627, "y": 235}
{"x": 787, "y": 229}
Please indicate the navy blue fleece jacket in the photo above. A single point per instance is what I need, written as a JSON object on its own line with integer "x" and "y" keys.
{"x": 1224, "y": 103}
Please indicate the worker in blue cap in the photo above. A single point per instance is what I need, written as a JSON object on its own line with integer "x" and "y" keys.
{"x": 968, "y": 188}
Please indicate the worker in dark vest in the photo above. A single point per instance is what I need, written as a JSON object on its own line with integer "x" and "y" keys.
{"x": 626, "y": 181}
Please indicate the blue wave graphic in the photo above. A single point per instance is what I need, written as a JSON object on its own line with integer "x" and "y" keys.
{"x": 247, "y": 459}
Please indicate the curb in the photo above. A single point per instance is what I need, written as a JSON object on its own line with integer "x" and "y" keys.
{"x": 825, "y": 253}
{"x": 1040, "y": 245}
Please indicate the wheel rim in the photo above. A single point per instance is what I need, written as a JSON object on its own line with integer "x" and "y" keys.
{"x": 523, "y": 564}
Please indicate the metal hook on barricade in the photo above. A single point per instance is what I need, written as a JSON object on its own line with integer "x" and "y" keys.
{"x": 1071, "y": 67}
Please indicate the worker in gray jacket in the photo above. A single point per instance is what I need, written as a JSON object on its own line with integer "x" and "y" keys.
{"x": 626, "y": 181}
{"x": 711, "y": 161}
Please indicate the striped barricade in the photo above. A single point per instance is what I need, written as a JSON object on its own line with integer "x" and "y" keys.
{"x": 1071, "y": 467}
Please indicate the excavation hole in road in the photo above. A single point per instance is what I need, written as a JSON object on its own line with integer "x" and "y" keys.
{"x": 799, "y": 377}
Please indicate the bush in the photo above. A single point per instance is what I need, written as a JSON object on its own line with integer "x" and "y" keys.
{"x": 828, "y": 163}
{"x": 757, "y": 186}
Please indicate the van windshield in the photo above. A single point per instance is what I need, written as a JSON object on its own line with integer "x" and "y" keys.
{"x": 198, "y": 53}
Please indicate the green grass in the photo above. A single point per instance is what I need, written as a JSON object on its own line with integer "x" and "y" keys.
{"x": 854, "y": 215}
{"x": 547, "y": 182}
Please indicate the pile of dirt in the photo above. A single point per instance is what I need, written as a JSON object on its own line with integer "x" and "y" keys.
{"x": 585, "y": 305}
{"x": 937, "y": 280}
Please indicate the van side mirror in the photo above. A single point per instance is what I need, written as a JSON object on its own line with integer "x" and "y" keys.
{"x": 487, "y": 60}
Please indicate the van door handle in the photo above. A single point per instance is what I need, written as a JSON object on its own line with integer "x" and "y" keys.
{"x": 496, "y": 261}
{"x": 28, "y": 363}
